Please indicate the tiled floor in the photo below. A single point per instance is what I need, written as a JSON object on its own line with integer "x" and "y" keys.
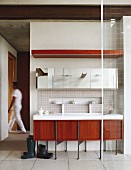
{"x": 11, "y": 159}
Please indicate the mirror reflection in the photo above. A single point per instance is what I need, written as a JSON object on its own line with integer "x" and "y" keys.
{"x": 58, "y": 78}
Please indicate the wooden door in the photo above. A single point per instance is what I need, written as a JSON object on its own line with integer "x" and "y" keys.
{"x": 23, "y": 78}
{"x": 11, "y": 78}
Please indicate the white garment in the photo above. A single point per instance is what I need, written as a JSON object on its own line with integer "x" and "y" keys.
{"x": 16, "y": 117}
{"x": 18, "y": 98}
{"x": 16, "y": 114}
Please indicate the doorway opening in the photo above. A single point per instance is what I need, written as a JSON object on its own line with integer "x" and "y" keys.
{"x": 11, "y": 78}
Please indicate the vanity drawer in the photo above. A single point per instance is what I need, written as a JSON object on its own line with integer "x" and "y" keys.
{"x": 112, "y": 129}
{"x": 67, "y": 130}
{"x": 44, "y": 130}
{"x": 90, "y": 130}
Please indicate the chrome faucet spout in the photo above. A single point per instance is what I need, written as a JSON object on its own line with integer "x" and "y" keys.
{"x": 90, "y": 105}
{"x": 90, "y": 108}
{"x": 62, "y": 108}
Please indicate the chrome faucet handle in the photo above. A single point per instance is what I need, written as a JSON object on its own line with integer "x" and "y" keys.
{"x": 55, "y": 102}
{"x": 92, "y": 101}
{"x": 73, "y": 102}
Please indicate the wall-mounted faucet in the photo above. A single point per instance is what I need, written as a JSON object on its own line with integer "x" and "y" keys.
{"x": 90, "y": 105}
{"x": 55, "y": 102}
{"x": 72, "y": 102}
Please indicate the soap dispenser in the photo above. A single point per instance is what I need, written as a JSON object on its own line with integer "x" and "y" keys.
{"x": 40, "y": 111}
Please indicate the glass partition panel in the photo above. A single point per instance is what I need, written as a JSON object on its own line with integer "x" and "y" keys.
{"x": 113, "y": 99}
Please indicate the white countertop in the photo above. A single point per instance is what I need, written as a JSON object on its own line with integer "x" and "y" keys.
{"x": 78, "y": 116}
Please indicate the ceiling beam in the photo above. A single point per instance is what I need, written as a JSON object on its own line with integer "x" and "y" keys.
{"x": 70, "y": 12}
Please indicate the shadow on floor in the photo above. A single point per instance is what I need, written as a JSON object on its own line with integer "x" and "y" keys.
{"x": 15, "y": 142}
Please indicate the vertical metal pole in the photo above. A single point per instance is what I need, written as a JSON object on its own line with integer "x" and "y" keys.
{"x": 37, "y": 146}
{"x": 100, "y": 149}
{"x": 102, "y": 65}
{"x": 47, "y": 145}
{"x": 105, "y": 145}
{"x": 116, "y": 147}
{"x": 78, "y": 133}
{"x": 66, "y": 147}
{"x": 55, "y": 138}
{"x": 100, "y": 137}
{"x": 85, "y": 146}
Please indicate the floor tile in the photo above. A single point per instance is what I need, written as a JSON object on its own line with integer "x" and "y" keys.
{"x": 4, "y": 154}
{"x": 117, "y": 165}
{"x": 111, "y": 156}
{"x": 16, "y": 155}
{"x": 72, "y": 155}
{"x": 61, "y": 155}
{"x": 16, "y": 165}
{"x": 83, "y": 155}
{"x": 129, "y": 156}
{"x": 85, "y": 165}
{"x": 13, "y": 145}
{"x": 51, "y": 165}
{"x": 14, "y": 142}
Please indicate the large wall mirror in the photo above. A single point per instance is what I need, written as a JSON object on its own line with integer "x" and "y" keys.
{"x": 59, "y": 78}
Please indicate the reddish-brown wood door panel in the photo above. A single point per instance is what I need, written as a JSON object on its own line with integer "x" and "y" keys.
{"x": 90, "y": 130}
{"x": 112, "y": 129}
{"x": 67, "y": 130}
{"x": 23, "y": 78}
{"x": 44, "y": 130}
{"x": 11, "y": 78}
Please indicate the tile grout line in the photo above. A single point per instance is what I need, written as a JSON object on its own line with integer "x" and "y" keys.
{"x": 33, "y": 164}
{"x": 97, "y": 155}
{"x": 5, "y": 158}
{"x": 129, "y": 157}
{"x": 103, "y": 166}
{"x": 100, "y": 160}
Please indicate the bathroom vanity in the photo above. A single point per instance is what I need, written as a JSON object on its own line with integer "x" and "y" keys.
{"x": 78, "y": 127}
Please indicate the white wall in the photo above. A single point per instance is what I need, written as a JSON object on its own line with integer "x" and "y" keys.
{"x": 127, "y": 84}
{"x": 64, "y": 35}
{"x": 74, "y": 35}
{"x": 111, "y": 35}
{"x": 61, "y": 35}
{"x": 5, "y": 47}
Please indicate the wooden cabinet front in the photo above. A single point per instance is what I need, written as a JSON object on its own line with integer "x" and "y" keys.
{"x": 67, "y": 130}
{"x": 90, "y": 130}
{"x": 113, "y": 129}
{"x": 44, "y": 130}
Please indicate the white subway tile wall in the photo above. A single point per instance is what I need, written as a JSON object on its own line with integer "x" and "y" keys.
{"x": 44, "y": 95}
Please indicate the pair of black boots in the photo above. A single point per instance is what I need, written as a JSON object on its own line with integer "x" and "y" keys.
{"x": 43, "y": 153}
{"x": 30, "y": 148}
